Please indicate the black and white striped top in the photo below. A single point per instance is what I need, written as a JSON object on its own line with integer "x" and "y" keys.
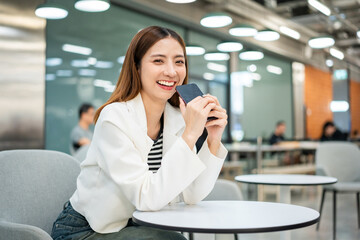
{"x": 155, "y": 154}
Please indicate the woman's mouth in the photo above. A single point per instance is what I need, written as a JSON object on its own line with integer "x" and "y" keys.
{"x": 166, "y": 83}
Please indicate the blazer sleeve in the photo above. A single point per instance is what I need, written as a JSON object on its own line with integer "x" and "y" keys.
{"x": 205, "y": 182}
{"x": 122, "y": 162}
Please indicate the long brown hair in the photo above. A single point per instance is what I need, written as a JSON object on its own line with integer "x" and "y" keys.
{"x": 129, "y": 84}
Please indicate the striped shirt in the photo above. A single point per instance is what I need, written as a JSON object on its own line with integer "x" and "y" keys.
{"x": 155, "y": 154}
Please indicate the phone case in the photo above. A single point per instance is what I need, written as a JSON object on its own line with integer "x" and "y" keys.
{"x": 188, "y": 92}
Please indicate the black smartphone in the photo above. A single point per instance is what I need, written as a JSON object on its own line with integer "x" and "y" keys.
{"x": 188, "y": 92}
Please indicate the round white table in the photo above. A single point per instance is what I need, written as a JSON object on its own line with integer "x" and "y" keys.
{"x": 228, "y": 217}
{"x": 285, "y": 181}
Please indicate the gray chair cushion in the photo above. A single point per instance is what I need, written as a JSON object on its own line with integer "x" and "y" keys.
{"x": 344, "y": 187}
{"x": 35, "y": 184}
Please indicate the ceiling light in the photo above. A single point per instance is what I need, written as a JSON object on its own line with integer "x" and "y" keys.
{"x": 64, "y": 73}
{"x": 51, "y": 62}
{"x": 229, "y": 47}
{"x": 339, "y": 106}
{"x": 181, "y": 1}
{"x": 256, "y": 76}
{"x": 216, "y": 56}
{"x": 76, "y": 49}
{"x": 217, "y": 67}
{"x": 102, "y": 83}
{"x": 50, "y": 77}
{"x": 104, "y": 64}
{"x": 358, "y": 33}
{"x": 194, "y": 50}
{"x": 243, "y": 30}
{"x": 121, "y": 59}
{"x": 91, "y": 60}
{"x": 321, "y": 42}
{"x": 267, "y": 35}
{"x": 87, "y": 72}
{"x": 209, "y": 76}
{"x": 110, "y": 88}
{"x": 79, "y": 63}
{"x": 290, "y": 32}
{"x": 92, "y": 5}
{"x": 51, "y": 11}
{"x": 251, "y": 68}
{"x": 243, "y": 78}
{"x": 320, "y": 7}
{"x": 274, "y": 69}
{"x": 9, "y": 31}
{"x": 329, "y": 62}
{"x": 337, "y": 53}
{"x": 251, "y": 55}
{"x": 215, "y": 20}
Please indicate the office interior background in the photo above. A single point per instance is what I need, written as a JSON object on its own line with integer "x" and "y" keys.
{"x": 273, "y": 60}
{"x": 43, "y": 84}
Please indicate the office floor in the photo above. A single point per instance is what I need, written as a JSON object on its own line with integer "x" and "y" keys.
{"x": 310, "y": 197}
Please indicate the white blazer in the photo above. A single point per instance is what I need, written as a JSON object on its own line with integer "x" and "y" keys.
{"x": 115, "y": 178}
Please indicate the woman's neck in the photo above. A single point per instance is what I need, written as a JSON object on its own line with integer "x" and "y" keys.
{"x": 153, "y": 110}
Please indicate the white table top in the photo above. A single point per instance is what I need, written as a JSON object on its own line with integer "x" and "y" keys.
{"x": 285, "y": 179}
{"x": 228, "y": 217}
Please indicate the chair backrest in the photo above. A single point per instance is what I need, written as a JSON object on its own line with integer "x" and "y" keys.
{"x": 35, "y": 184}
{"x": 339, "y": 159}
{"x": 225, "y": 190}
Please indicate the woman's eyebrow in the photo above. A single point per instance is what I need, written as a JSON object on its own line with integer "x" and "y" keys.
{"x": 162, "y": 55}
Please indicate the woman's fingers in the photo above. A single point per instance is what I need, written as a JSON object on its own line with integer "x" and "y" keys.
{"x": 213, "y": 98}
{"x": 182, "y": 106}
{"x": 218, "y": 114}
{"x": 217, "y": 122}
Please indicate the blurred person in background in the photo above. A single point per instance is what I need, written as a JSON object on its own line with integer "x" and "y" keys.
{"x": 278, "y": 134}
{"x": 331, "y": 133}
{"x": 81, "y": 135}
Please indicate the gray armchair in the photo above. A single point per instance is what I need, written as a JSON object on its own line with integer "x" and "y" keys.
{"x": 342, "y": 161}
{"x": 224, "y": 190}
{"x": 35, "y": 184}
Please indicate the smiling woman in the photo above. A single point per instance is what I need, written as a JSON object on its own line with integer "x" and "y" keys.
{"x": 142, "y": 155}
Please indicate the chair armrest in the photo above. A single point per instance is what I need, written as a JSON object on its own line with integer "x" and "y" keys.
{"x": 16, "y": 231}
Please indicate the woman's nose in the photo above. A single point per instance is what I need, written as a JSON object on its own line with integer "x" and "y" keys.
{"x": 170, "y": 70}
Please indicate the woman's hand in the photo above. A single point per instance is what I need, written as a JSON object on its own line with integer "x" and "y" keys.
{"x": 215, "y": 128}
{"x": 195, "y": 115}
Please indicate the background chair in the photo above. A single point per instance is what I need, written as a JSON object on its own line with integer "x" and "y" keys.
{"x": 35, "y": 184}
{"x": 342, "y": 161}
{"x": 223, "y": 190}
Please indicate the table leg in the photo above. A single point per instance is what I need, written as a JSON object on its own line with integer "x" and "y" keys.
{"x": 284, "y": 196}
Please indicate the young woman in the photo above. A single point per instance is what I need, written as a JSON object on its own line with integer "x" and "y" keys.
{"x": 142, "y": 154}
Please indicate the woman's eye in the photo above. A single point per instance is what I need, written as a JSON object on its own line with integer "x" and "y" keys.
{"x": 158, "y": 60}
{"x": 180, "y": 61}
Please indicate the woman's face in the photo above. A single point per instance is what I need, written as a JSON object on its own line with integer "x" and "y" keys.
{"x": 161, "y": 69}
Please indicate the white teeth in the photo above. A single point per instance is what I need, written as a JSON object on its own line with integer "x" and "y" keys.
{"x": 165, "y": 83}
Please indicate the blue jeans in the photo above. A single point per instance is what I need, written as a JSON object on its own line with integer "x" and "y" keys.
{"x": 71, "y": 225}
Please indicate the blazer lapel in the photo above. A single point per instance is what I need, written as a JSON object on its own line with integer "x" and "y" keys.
{"x": 174, "y": 126}
{"x": 138, "y": 115}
